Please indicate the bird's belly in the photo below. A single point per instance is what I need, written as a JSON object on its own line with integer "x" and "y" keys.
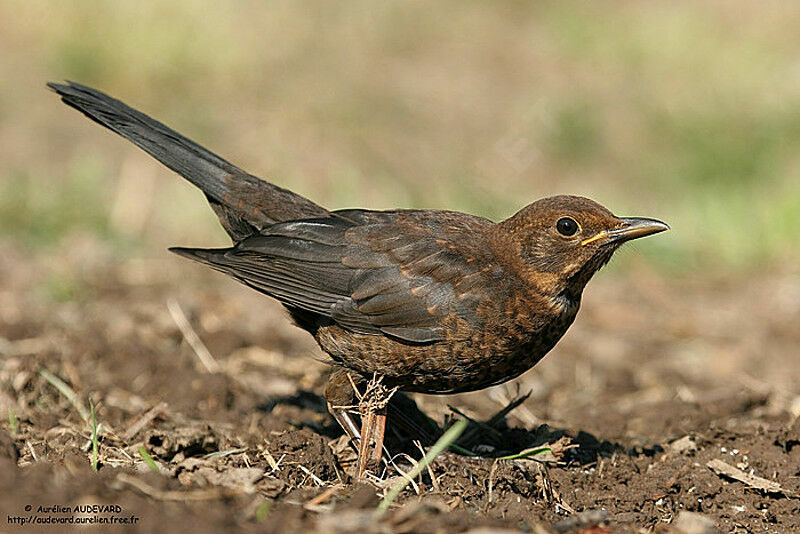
{"x": 483, "y": 358}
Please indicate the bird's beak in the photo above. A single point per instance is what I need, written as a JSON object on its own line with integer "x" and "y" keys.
{"x": 632, "y": 228}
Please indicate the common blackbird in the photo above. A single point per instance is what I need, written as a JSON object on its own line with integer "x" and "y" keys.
{"x": 433, "y": 301}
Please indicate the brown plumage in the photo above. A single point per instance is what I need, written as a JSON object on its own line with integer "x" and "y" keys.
{"x": 434, "y": 301}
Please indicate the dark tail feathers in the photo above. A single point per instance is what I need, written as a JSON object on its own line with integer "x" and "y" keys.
{"x": 243, "y": 202}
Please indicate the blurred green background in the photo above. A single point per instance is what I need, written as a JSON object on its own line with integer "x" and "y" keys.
{"x": 686, "y": 111}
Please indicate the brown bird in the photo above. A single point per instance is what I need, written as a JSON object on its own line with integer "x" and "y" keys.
{"x": 432, "y": 301}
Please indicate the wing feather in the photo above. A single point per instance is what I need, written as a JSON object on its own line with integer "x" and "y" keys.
{"x": 398, "y": 273}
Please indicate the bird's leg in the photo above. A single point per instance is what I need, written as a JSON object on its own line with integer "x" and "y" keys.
{"x": 344, "y": 394}
{"x": 340, "y": 394}
{"x": 346, "y": 422}
{"x": 372, "y": 406}
{"x": 380, "y": 433}
{"x": 367, "y": 423}
{"x": 373, "y": 429}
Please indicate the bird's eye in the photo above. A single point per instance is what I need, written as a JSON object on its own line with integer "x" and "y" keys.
{"x": 567, "y": 226}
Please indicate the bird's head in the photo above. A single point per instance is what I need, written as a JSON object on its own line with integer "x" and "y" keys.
{"x": 562, "y": 241}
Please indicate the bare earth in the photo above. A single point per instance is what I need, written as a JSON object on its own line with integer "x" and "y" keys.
{"x": 666, "y": 397}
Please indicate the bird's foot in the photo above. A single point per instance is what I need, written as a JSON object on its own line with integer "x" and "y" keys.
{"x": 372, "y": 405}
{"x": 372, "y": 409}
{"x": 370, "y": 450}
{"x": 369, "y": 400}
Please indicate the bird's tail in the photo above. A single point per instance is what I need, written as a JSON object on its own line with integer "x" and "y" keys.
{"x": 243, "y": 202}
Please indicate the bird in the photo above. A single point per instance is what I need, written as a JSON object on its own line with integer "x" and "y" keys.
{"x": 430, "y": 301}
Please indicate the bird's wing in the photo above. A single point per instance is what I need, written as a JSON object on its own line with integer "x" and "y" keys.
{"x": 395, "y": 273}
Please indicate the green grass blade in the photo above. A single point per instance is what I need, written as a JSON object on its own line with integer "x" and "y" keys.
{"x": 262, "y": 512}
{"x": 13, "y": 422}
{"x": 148, "y": 459}
{"x": 461, "y": 450}
{"x": 67, "y": 391}
{"x": 443, "y": 443}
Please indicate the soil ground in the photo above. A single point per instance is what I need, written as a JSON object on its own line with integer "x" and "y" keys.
{"x": 656, "y": 381}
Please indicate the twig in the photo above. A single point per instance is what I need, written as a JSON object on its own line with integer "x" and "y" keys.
{"x": 324, "y": 496}
{"x": 314, "y": 477}
{"x": 33, "y": 452}
{"x": 375, "y": 398}
{"x": 144, "y": 420}
{"x": 491, "y": 479}
{"x": 191, "y": 337}
{"x": 496, "y": 418}
{"x": 479, "y": 425}
{"x": 405, "y": 474}
{"x": 271, "y": 460}
{"x": 125, "y": 454}
{"x": 767, "y": 486}
{"x": 430, "y": 471}
{"x": 95, "y": 447}
{"x": 277, "y": 466}
{"x": 223, "y": 454}
{"x": 524, "y": 413}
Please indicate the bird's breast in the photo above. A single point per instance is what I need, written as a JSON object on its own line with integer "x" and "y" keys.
{"x": 468, "y": 359}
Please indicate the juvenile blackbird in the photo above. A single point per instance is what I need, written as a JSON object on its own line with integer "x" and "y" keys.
{"x": 433, "y": 301}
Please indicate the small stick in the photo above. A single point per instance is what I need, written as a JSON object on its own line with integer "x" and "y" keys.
{"x": 223, "y": 454}
{"x": 430, "y": 470}
{"x": 144, "y": 420}
{"x": 406, "y": 475}
{"x": 95, "y": 452}
{"x": 276, "y": 466}
{"x": 270, "y": 459}
{"x": 491, "y": 479}
{"x": 33, "y": 452}
{"x": 767, "y": 486}
{"x": 314, "y": 477}
{"x": 380, "y": 432}
{"x": 496, "y": 418}
{"x": 324, "y": 496}
{"x": 191, "y": 337}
